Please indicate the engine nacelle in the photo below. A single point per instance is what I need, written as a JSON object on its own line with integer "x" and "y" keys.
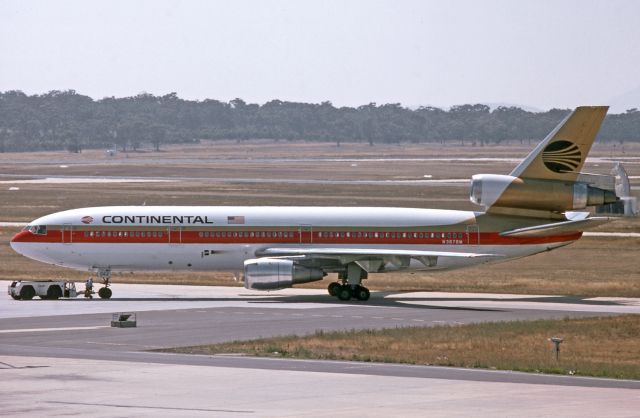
{"x": 274, "y": 273}
{"x": 492, "y": 190}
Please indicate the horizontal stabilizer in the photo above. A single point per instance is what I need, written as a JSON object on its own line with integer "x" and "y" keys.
{"x": 556, "y": 228}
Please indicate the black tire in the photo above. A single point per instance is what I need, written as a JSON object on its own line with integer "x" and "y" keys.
{"x": 361, "y": 293}
{"x": 54, "y": 292}
{"x": 104, "y": 293}
{"x": 16, "y": 297}
{"x": 344, "y": 293}
{"x": 333, "y": 288}
{"x": 27, "y": 293}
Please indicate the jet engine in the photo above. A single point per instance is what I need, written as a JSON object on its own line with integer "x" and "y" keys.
{"x": 491, "y": 190}
{"x": 274, "y": 273}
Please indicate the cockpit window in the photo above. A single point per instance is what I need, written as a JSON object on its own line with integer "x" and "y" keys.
{"x": 38, "y": 229}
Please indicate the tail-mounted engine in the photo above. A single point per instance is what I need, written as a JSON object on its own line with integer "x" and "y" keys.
{"x": 275, "y": 273}
{"x": 491, "y": 190}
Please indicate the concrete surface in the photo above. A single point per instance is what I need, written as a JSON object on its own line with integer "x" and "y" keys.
{"x": 112, "y": 388}
{"x": 52, "y": 351}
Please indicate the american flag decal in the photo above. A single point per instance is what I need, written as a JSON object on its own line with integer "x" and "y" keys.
{"x": 235, "y": 220}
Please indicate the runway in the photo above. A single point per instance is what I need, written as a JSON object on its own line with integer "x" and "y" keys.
{"x": 68, "y": 344}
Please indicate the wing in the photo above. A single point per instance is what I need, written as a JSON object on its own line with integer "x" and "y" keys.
{"x": 370, "y": 259}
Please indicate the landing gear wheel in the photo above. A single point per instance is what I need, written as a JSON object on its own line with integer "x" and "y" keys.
{"x": 104, "y": 293}
{"x": 333, "y": 288}
{"x": 15, "y": 297}
{"x": 27, "y": 293}
{"x": 361, "y": 293}
{"x": 344, "y": 293}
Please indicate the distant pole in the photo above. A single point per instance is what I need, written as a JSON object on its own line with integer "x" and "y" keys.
{"x": 556, "y": 343}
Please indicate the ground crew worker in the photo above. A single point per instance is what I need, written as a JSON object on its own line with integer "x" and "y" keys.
{"x": 88, "y": 288}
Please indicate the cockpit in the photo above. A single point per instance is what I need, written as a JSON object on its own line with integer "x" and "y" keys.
{"x": 36, "y": 229}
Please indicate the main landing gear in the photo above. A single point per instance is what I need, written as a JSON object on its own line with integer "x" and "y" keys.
{"x": 105, "y": 276}
{"x": 349, "y": 285}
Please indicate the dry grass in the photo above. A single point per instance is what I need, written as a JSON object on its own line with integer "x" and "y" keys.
{"x": 604, "y": 347}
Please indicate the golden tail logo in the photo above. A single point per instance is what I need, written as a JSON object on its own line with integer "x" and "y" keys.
{"x": 562, "y": 157}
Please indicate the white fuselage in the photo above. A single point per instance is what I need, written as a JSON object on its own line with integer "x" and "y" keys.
{"x": 200, "y": 238}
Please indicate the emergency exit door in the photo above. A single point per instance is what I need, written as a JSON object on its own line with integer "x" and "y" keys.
{"x": 174, "y": 233}
{"x": 473, "y": 235}
{"x": 67, "y": 234}
{"x": 305, "y": 234}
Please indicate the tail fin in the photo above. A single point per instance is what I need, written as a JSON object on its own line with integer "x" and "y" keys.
{"x": 547, "y": 182}
{"x": 561, "y": 155}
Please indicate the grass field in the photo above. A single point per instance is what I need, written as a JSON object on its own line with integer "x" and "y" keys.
{"x": 594, "y": 266}
{"x": 603, "y": 347}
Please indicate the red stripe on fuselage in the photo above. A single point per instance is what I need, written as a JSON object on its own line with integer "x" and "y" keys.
{"x": 293, "y": 237}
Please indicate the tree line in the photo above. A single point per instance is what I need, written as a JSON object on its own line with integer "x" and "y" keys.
{"x": 67, "y": 120}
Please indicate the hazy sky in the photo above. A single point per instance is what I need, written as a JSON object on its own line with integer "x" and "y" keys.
{"x": 538, "y": 53}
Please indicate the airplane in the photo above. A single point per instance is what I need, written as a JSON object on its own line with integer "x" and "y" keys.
{"x": 533, "y": 209}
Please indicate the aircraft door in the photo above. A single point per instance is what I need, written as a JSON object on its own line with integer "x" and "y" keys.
{"x": 473, "y": 234}
{"x": 305, "y": 233}
{"x": 67, "y": 234}
{"x": 174, "y": 233}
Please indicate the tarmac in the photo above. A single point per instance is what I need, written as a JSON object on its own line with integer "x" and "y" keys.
{"x": 62, "y": 357}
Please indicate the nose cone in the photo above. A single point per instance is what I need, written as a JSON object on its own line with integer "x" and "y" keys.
{"x": 18, "y": 240}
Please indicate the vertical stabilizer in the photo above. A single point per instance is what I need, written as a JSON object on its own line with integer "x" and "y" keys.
{"x": 562, "y": 153}
{"x": 549, "y": 181}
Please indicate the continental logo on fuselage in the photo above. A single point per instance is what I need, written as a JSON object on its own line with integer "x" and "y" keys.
{"x": 159, "y": 219}
{"x": 562, "y": 156}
